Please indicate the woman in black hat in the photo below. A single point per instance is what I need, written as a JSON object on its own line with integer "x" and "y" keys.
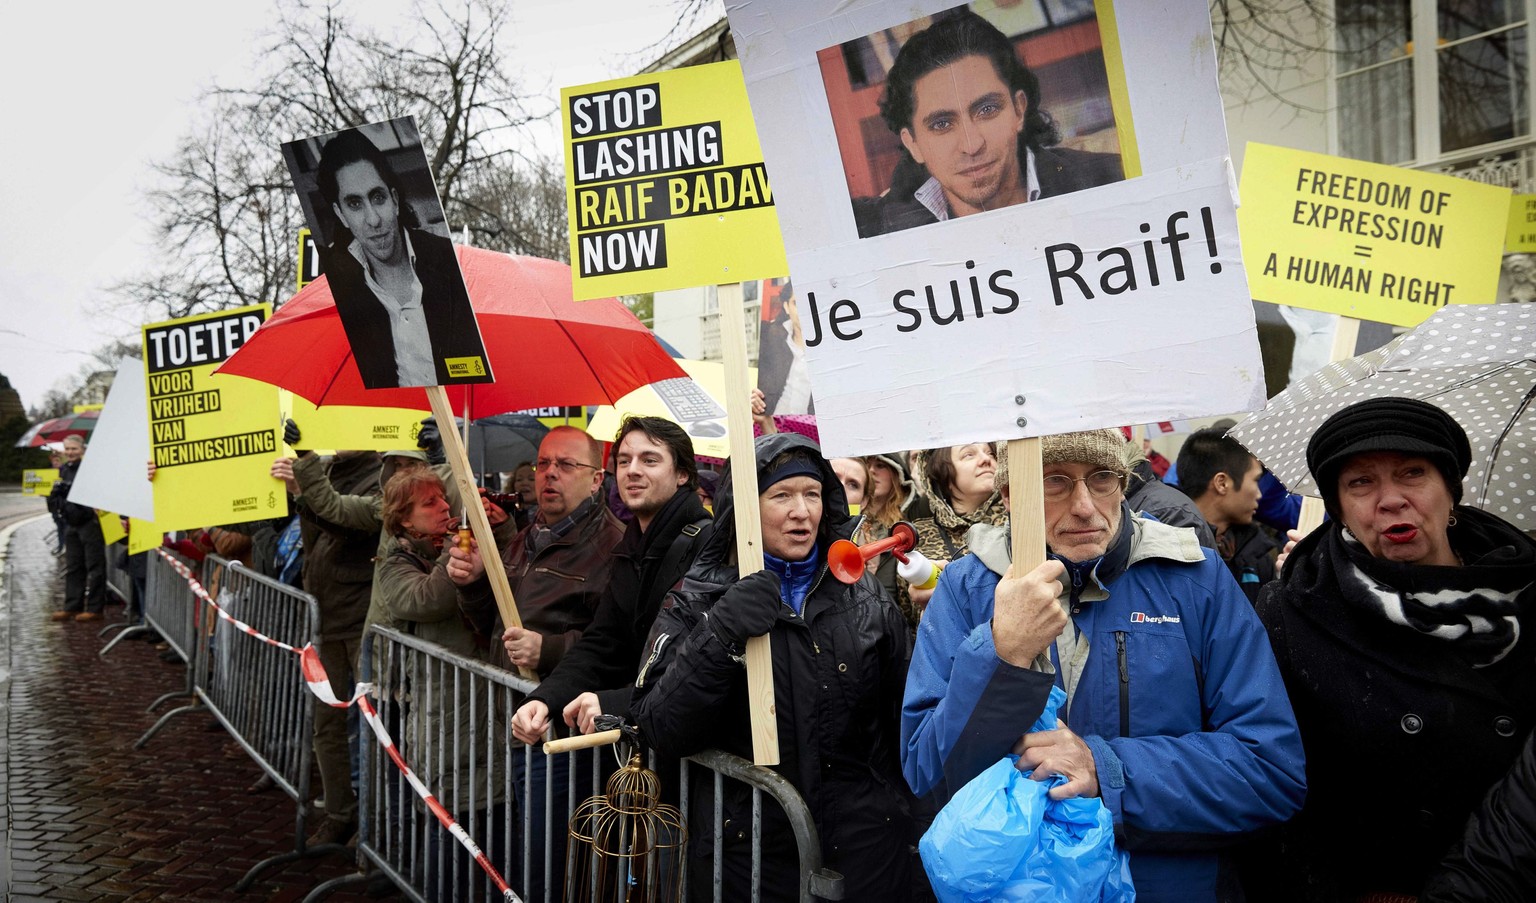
{"x": 1403, "y": 628}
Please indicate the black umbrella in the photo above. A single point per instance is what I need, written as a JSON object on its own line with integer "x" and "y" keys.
{"x": 500, "y": 443}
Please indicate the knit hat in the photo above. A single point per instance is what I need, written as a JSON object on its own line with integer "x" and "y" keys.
{"x": 1404, "y": 425}
{"x": 1099, "y": 448}
{"x": 1104, "y": 449}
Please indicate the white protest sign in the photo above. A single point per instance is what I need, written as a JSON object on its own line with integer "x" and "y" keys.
{"x": 1074, "y": 297}
{"x": 112, "y": 474}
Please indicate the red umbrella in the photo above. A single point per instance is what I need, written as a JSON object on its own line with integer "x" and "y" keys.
{"x": 544, "y": 348}
{"x": 59, "y": 428}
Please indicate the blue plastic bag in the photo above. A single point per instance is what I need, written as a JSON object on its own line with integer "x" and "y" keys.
{"x": 1003, "y": 838}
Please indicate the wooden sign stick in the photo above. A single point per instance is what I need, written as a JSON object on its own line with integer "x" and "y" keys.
{"x": 749, "y": 527}
{"x": 458, "y": 461}
{"x": 1026, "y": 503}
{"x": 1345, "y": 335}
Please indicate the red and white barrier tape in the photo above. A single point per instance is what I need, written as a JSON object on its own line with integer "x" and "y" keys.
{"x": 319, "y": 683}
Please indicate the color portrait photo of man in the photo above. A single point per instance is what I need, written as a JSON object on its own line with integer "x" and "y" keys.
{"x": 965, "y": 126}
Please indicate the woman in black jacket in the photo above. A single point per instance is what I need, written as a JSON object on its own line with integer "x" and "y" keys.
{"x": 1403, "y": 629}
{"x": 839, "y": 666}
{"x": 1495, "y": 862}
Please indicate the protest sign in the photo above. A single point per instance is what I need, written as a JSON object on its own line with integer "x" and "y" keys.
{"x": 143, "y": 536}
{"x": 384, "y": 247}
{"x": 1520, "y": 238}
{"x": 308, "y": 268}
{"x": 782, "y": 373}
{"x": 111, "y": 527}
{"x": 559, "y": 415}
{"x": 1365, "y": 240}
{"x": 38, "y": 482}
{"x": 212, "y": 436}
{"x": 112, "y": 474}
{"x": 1020, "y": 283}
{"x": 697, "y": 403}
{"x": 337, "y": 426}
{"x": 666, "y": 185}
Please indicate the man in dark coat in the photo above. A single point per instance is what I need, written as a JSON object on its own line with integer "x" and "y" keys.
{"x": 968, "y": 113}
{"x": 1222, "y": 479}
{"x": 338, "y": 572}
{"x": 839, "y": 662}
{"x": 396, "y": 287}
{"x": 558, "y": 567}
{"x": 658, "y": 480}
{"x": 85, "y": 549}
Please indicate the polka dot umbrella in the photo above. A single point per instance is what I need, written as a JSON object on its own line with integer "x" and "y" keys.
{"x": 1477, "y": 362}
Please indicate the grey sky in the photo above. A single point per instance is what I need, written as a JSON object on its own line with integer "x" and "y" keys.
{"x": 95, "y": 91}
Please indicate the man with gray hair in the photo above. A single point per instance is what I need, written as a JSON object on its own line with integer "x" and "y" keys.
{"x": 85, "y": 549}
{"x": 1175, "y": 713}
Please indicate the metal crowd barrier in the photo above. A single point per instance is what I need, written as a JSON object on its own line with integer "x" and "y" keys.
{"x": 120, "y": 584}
{"x": 253, "y": 688}
{"x": 448, "y": 716}
{"x": 118, "y": 581}
{"x": 170, "y": 608}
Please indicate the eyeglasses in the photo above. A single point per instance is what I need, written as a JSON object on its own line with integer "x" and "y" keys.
{"x": 1100, "y": 484}
{"x": 566, "y": 465}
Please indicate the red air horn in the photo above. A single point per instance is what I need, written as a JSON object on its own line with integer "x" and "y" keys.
{"x": 846, "y": 561}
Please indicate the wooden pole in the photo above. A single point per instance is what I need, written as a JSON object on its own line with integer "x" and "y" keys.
{"x": 1026, "y": 503}
{"x": 1345, "y": 335}
{"x": 458, "y": 462}
{"x": 581, "y": 741}
{"x": 749, "y": 527}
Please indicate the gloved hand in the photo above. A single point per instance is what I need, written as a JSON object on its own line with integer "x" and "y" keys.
{"x": 292, "y": 436}
{"x": 430, "y": 441}
{"x": 747, "y": 609}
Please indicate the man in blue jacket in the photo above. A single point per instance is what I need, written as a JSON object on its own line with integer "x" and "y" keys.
{"x": 1176, "y": 715}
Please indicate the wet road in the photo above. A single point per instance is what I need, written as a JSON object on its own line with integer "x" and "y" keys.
{"x": 85, "y": 816}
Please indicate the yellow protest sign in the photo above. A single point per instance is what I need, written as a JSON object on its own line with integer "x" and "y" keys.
{"x": 666, "y": 185}
{"x": 308, "y": 268}
{"x": 1365, "y": 240}
{"x": 143, "y": 536}
{"x": 1520, "y": 238}
{"x": 38, "y": 482}
{"x": 570, "y": 415}
{"x": 354, "y": 427}
{"x": 111, "y": 527}
{"x": 212, "y": 436}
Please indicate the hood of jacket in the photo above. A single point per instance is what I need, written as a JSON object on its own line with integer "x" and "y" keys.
{"x": 944, "y": 513}
{"x": 896, "y": 462}
{"x": 836, "y": 523}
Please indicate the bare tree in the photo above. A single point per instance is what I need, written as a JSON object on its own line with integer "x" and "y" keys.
{"x": 519, "y": 209}
{"x": 1263, "y": 44}
{"x": 226, "y": 213}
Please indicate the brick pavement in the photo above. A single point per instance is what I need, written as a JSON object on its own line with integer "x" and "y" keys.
{"x": 87, "y": 817}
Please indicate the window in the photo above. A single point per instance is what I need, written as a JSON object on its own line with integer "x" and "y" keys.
{"x": 1483, "y": 84}
{"x": 1478, "y": 73}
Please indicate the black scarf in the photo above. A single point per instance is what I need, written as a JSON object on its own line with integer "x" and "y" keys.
{"x": 1475, "y": 606}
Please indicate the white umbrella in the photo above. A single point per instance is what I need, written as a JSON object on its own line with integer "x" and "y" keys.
{"x": 1476, "y": 362}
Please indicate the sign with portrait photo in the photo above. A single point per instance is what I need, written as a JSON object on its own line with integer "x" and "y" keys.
{"x": 383, "y": 244}
{"x": 1003, "y": 220}
{"x": 782, "y": 373}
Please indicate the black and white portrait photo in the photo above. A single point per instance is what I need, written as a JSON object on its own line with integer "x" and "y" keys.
{"x": 368, "y": 196}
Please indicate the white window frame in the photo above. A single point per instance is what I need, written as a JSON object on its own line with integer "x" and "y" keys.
{"x": 1425, "y": 69}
